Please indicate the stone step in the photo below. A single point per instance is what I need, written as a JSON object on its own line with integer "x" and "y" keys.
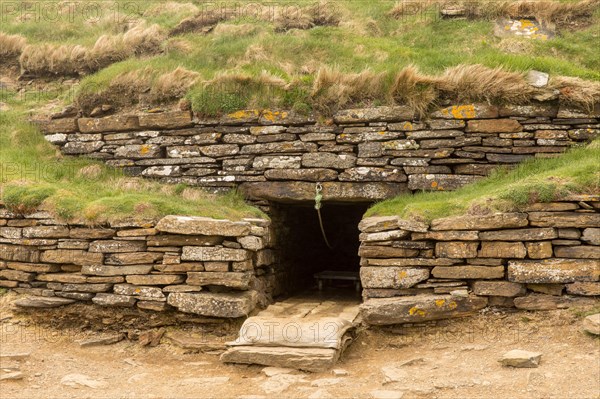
{"x": 307, "y": 359}
{"x": 301, "y": 332}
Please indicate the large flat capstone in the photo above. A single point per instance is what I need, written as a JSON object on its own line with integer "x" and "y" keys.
{"x": 197, "y": 225}
{"x": 419, "y": 308}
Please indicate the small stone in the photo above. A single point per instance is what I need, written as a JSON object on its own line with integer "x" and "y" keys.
{"x": 108, "y": 339}
{"x": 14, "y": 376}
{"x": 326, "y": 382}
{"x": 521, "y": 359}
{"x": 272, "y": 371}
{"x": 79, "y": 380}
{"x": 339, "y": 372}
{"x": 591, "y": 324}
{"x": 394, "y": 374}
{"x": 385, "y": 394}
{"x": 537, "y": 78}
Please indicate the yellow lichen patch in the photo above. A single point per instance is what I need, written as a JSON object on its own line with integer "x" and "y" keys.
{"x": 243, "y": 114}
{"x": 382, "y": 132}
{"x": 137, "y": 290}
{"x": 144, "y": 149}
{"x": 440, "y": 302}
{"x": 416, "y": 311}
{"x": 526, "y": 23}
{"x": 272, "y": 116}
{"x": 463, "y": 111}
{"x": 452, "y": 305}
{"x": 408, "y": 126}
{"x": 402, "y": 275}
{"x": 434, "y": 184}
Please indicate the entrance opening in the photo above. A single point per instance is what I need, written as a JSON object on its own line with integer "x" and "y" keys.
{"x": 303, "y": 251}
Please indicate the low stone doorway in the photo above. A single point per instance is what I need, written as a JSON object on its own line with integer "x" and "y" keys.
{"x": 304, "y": 252}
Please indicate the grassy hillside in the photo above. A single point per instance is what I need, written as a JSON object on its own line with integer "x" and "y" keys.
{"x": 303, "y": 55}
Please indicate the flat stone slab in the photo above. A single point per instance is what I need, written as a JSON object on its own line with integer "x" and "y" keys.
{"x": 309, "y": 359}
{"x": 197, "y": 225}
{"x": 520, "y": 358}
{"x": 523, "y": 27}
{"x": 108, "y": 339}
{"x": 299, "y": 333}
{"x": 332, "y": 191}
{"x": 43, "y": 302}
{"x": 418, "y": 308}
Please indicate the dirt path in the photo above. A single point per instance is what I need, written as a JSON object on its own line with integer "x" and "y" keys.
{"x": 456, "y": 359}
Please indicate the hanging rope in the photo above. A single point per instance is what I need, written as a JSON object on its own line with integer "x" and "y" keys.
{"x": 318, "y": 198}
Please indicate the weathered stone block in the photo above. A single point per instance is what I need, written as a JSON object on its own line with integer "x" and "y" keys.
{"x": 103, "y": 270}
{"x": 274, "y": 148}
{"x": 76, "y": 147}
{"x": 392, "y": 277}
{"x": 413, "y": 262}
{"x": 165, "y": 120}
{"x": 467, "y": 111}
{"x": 502, "y": 249}
{"x": 549, "y": 289}
{"x": 419, "y": 308}
{"x": 554, "y": 271}
{"x": 447, "y": 236}
{"x": 132, "y": 258}
{"x": 378, "y": 223}
{"x": 494, "y": 126}
{"x": 115, "y": 123}
{"x": 42, "y": 302}
{"x": 582, "y": 288}
{"x": 328, "y": 160}
{"x": 85, "y": 233}
{"x": 46, "y": 232}
{"x": 16, "y": 275}
{"x": 547, "y": 233}
{"x": 33, "y": 267}
{"x": 139, "y": 291}
{"x": 226, "y": 279}
{"x": 373, "y": 251}
{"x": 539, "y": 250}
{"x": 195, "y": 225}
{"x": 564, "y": 219}
{"x": 63, "y": 125}
{"x": 386, "y": 114}
{"x": 104, "y": 299}
{"x": 214, "y": 254}
{"x": 581, "y": 251}
{"x": 468, "y": 272}
{"x": 117, "y": 246}
{"x": 70, "y": 278}
{"x": 456, "y": 249}
{"x": 155, "y": 279}
{"x": 74, "y": 256}
{"x": 384, "y": 235}
{"x": 591, "y": 236}
{"x": 541, "y": 302}
{"x": 439, "y": 182}
{"x": 498, "y": 288}
{"x": 230, "y": 305}
{"x": 313, "y": 174}
{"x": 252, "y": 243}
{"x": 481, "y": 222}
{"x": 101, "y": 287}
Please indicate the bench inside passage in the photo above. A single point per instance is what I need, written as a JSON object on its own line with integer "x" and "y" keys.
{"x": 331, "y": 275}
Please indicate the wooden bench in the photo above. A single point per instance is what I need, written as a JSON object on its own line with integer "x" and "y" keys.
{"x": 330, "y": 275}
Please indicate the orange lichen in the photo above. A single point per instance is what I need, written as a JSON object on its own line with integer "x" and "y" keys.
{"x": 272, "y": 116}
{"x": 144, "y": 149}
{"x": 415, "y": 310}
{"x": 440, "y": 302}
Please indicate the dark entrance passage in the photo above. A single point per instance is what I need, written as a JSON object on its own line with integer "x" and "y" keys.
{"x": 303, "y": 251}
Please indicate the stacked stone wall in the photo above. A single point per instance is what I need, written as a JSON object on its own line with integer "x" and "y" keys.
{"x": 209, "y": 267}
{"x": 359, "y": 154}
{"x": 538, "y": 259}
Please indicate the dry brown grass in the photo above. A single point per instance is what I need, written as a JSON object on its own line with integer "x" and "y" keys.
{"x": 479, "y": 83}
{"x": 463, "y": 83}
{"x": 172, "y": 8}
{"x": 69, "y": 60}
{"x": 551, "y": 11}
{"x": 414, "y": 89}
{"x": 577, "y": 92}
{"x": 11, "y": 46}
{"x": 202, "y": 22}
{"x": 173, "y": 85}
{"x": 333, "y": 89}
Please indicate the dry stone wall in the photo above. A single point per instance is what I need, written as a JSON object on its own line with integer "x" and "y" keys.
{"x": 542, "y": 258}
{"x": 209, "y": 267}
{"x": 359, "y": 154}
